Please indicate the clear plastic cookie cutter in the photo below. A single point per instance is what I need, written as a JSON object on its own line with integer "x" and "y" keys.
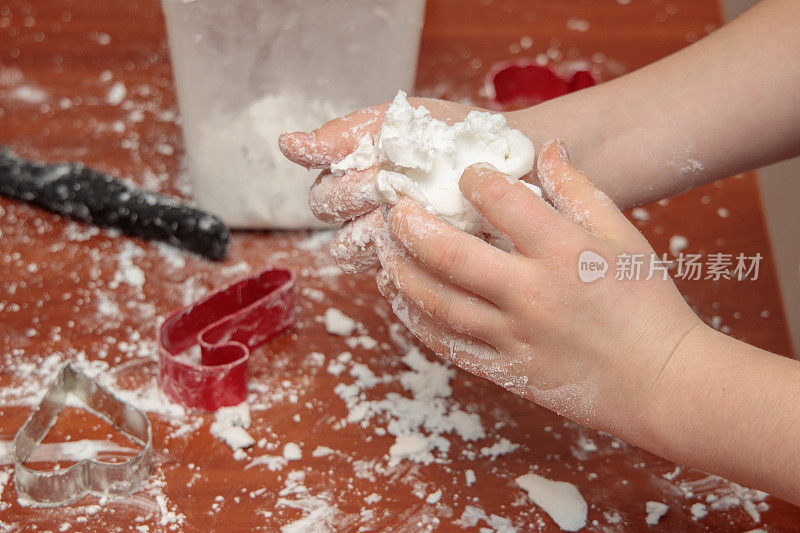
{"x": 51, "y": 488}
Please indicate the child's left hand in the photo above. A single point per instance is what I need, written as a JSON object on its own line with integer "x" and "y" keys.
{"x": 593, "y": 352}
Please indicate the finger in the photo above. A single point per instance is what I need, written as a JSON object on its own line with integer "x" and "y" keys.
{"x": 574, "y": 195}
{"x": 334, "y": 140}
{"x": 533, "y": 226}
{"x": 456, "y": 256}
{"x": 353, "y": 247}
{"x": 385, "y": 284}
{"x": 335, "y": 199}
{"x": 466, "y": 352}
{"x": 460, "y": 310}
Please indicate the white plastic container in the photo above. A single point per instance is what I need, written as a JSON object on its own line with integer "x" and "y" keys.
{"x": 247, "y": 70}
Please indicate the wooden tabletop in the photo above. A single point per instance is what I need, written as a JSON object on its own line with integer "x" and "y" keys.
{"x": 66, "y": 294}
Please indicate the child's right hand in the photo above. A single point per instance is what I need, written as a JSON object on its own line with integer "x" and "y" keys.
{"x": 350, "y": 198}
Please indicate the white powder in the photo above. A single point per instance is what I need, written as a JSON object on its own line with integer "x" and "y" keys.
{"x": 559, "y": 499}
{"x": 423, "y": 158}
{"x": 641, "y": 214}
{"x": 501, "y": 447}
{"x": 337, "y": 323}
{"x": 410, "y": 446}
{"x": 272, "y": 462}
{"x": 241, "y": 174}
{"x": 472, "y": 515}
{"x": 677, "y": 244}
{"x": 699, "y": 511}
{"x": 292, "y": 452}
{"x": 5, "y": 476}
{"x": 434, "y": 497}
{"x": 469, "y": 477}
{"x": 655, "y": 511}
{"x": 576, "y": 24}
{"x": 364, "y": 341}
{"x": 117, "y": 93}
{"x": 322, "y": 451}
{"x": 230, "y": 424}
{"x": 128, "y": 272}
{"x": 419, "y": 423}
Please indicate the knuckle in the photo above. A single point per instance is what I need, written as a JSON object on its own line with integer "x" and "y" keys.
{"x": 452, "y": 255}
{"x": 441, "y": 304}
{"x": 495, "y": 191}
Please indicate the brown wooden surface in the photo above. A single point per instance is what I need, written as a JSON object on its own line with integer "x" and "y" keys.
{"x": 57, "y": 278}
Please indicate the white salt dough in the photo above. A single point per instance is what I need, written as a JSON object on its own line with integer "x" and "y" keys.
{"x": 292, "y": 452}
{"x": 699, "y": 511}
{"x": 559, "y": 499}
{"x": 677, "y": 244}
{"x": 230, "y": 425}
{"x": 655, "y": 511}
{"x": 423, "y": 158}
{"x": 337, "y": 323}
{"x": 469, "y": 477}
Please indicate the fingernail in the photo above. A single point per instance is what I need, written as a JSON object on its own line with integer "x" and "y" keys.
{"x": 291, "y": 143}
{"x": 553, "y": 154}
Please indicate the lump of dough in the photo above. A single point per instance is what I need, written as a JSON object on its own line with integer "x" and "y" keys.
{"x": 423, "y": 158}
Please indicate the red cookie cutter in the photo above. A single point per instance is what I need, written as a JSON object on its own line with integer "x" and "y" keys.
{"x": 525, "y": 83}
{"x": 227, "y": 325}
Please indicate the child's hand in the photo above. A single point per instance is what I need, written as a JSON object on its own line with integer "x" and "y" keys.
{"x": 350, "y": 198}
{"x": 590, "y": 351}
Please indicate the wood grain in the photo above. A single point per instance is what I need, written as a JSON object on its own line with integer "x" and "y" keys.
{"x": 60, "y": 298}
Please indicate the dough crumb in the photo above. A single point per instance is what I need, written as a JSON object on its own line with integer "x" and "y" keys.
{"x": 677, "y": 244}
{"x": 424, "y": 158}
{"x": 469, "y": 477}
{"x": 655, "y": 510}
{"x": 434, "y": 497}
{"x": 640, "y": 214}
{"x": 699, "y": 511}
{"x": 560, "y": 500}
{"x": 230, "y": 424}
{"x": 292, "y": 452}
{"x": 337, "y": 323}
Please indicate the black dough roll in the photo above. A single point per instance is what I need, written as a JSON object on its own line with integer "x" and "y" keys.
{"x": 76, "y": 191}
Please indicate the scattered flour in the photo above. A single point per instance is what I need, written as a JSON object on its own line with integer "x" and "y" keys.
{"x": 640, "y": 214}
{"x": 721, "y": 495}
{"x": 469, "y": 477}
{"x": 655, "y": 511}
{"x": 292, "y": 452}
{"x": 230, "y": 426}
{"x": 128, "y": 272}
{"x": 5, "y": 476}
{"x": 272, "y": 462}
{"x": 699, "y": 511}
{"x": 322, "y": 451}
{"x": 337, "y": 323}
{"x": 423, "y": 158}
{"x": 576, "y": 24}
{"x": 677, "y": 244}
{"x": 364, "y": 341}
{"x": 559, "y": 499}
{"x": 116, "y": 93}
{"x": 501, "y": 447}
{"x": 472, "y": 515}
{"x": 419, "y": 423}
{"x": 434, "y": 497}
